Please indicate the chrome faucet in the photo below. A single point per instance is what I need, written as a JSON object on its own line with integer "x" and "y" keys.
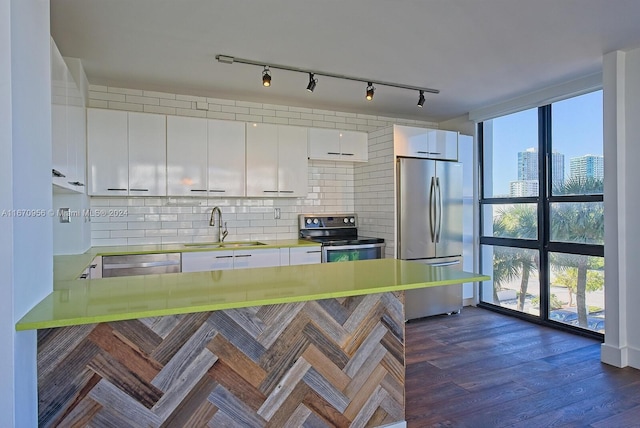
{"x": 212, "y": 222}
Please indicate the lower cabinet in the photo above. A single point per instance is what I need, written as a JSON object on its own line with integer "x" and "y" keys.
{"x": 305, "y": 255}
{"x": 223, "y": 260}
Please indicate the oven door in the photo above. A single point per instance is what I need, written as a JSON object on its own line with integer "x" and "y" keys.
{"x": 349, "y": 253}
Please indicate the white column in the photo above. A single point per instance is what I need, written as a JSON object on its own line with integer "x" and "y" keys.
{"x": 621, "y": 85}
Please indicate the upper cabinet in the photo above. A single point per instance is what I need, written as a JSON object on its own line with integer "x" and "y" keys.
{"x": 68, "y": 126}
{"x": 205, "y": 157}
{"x": 186, "y": 156}
{"x": 276, "y": 160}
{"x": 333, "y": 144}
{"x": 147, "y": 154}
{"x": 226, "y": 154}
{"x": 126, "y": 153}
{"x": 425, "y": 143}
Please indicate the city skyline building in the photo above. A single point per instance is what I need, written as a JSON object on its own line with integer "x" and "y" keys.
{"x": 527, "y": 182}
{"x": 587, "y": 166}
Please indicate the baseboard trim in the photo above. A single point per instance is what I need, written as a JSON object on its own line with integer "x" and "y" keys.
{"x": 614, "y": 356}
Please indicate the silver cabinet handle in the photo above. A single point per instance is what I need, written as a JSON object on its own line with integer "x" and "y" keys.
{"x": 347, "y": 154}
{"x": 113, "y": 189}
{"x": 76, "y": 183}
{"x": 311, "y": 252}
{"x": 286, "y": 191}
{"x": 217, "y": 191}
{"x": 56, "y": 173}
{"x": 198, "y": 190}
{"x": 333, "y": 153}
{"x": 223, "y": 257}
{"x": 139, "y": 190}
{"x": 243, "y": 255}
{"x": 270, "y": 191}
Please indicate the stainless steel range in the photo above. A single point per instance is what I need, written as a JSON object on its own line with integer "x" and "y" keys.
{"x": 338, "y": 234}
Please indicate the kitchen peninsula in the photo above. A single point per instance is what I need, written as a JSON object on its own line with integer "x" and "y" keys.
{"x": 270, "y": 346}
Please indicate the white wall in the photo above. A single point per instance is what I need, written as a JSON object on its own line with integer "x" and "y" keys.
{"x": 25, "y": 160}
{"x": 621, "y": 85}
{"x": 7, "y": 369}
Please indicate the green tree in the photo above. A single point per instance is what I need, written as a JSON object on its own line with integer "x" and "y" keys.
{"x": 581, "y": 222}
{"x": 517, "y": 221}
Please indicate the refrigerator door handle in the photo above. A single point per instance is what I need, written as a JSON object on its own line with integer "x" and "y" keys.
{"x": 438, "y": 233}
{"x": 432, "y": 209}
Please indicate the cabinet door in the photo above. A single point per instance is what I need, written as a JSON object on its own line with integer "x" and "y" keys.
{"x": 443, "y": 144}
{"x": 292, "y": 161}
{"x": 107, "y": 152}
{"x": 353, "y": 146}
{"x": 203, "y": 261}
{"x": 410, "y": 141}
{"x": 59, "y": 139}
{"x": 305, "y": 255}
{"x": 77, "y": 131}
{"x": 226, "y": 151}
{"x": 186, "y": 156}
{"x": 262, "y": 160}
{"x": 147, "y": 154}
{"x": 324, "y": 144}
{"x": 256, "y": 258}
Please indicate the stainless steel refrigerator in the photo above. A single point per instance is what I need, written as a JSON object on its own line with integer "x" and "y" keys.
{"x": 430, "y": 229}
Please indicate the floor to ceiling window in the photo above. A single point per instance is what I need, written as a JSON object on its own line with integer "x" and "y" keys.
{"x": 542, "y": 218}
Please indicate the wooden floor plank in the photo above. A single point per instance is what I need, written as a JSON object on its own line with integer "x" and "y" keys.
{"x": 481, "y": 368}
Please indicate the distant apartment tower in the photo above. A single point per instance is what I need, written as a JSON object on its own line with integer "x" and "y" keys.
{"x": 587, "y": 166}
{"x": 527, "y": 183}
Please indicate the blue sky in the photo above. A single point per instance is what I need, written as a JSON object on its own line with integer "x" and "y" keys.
{"x": 577, "y": 131}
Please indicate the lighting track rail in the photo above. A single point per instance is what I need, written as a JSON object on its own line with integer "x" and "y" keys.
{"x": 227, "y": 59}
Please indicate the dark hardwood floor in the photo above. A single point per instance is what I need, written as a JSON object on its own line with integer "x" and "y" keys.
{"x": 483, "y": 369}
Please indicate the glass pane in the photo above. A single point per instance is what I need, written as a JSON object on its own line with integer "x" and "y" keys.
{"x": 578, "y": 164}
{"x": 515, "y": 280}
{"x": 510, "y": 158}
{"x": 579, "y": 222}
{"x": 577, "y": 290}
{"x": 510, "y": 221}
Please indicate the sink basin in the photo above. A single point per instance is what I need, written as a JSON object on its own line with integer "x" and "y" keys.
{"x": 231, "y": 244}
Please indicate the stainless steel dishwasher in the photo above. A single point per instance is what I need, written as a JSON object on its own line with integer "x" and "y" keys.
{"x": 140, "y": 264}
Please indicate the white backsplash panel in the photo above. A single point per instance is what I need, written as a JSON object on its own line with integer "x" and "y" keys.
{"x": 142, "y": 221}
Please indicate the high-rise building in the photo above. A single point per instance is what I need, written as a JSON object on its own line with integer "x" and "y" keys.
{"x": 587, "y": 166}
{"x": 527, "y": 183}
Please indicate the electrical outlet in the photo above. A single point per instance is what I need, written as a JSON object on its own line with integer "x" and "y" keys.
{"x": 276, "y": 213}
{"x": 64, "y": 215}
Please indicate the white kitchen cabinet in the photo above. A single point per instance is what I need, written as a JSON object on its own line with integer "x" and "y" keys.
{"x": 203, "y": 261}
{"x": 186, "y": 156}
{"x": 305, "y": 255}
{"x": 107, "y": 147}
{"x": 226, "y": 158}
{"x": 200, "y": 261}
{"x": 243, "y": 259}
{"x": 147, "y": 154}
{"x": 276, "y": 160}
{"x": 292, "y": 161}
{"x": 425, "y": 143}
{"x": 68, "y": 125}
{"x": 333, "y": 144}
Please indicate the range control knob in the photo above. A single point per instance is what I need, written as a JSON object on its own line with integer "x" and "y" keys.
{"x": 345, "y": 220}
{"x": 308, "y": 221}
{"x": 352, "y": 220}
{"x": 316, "y": 221}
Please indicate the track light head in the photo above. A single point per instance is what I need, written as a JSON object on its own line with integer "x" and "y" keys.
{"x": 370, "y": 91}
{"x": 421, "y": 99}
{"x": 266, "y": 77}
{"x": 312, "y": 82}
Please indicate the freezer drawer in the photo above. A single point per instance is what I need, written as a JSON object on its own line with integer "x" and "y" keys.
{"x": 445, "y": 299}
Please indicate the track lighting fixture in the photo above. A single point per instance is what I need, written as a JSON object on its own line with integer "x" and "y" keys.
{"x": 421, "y": 99}
{"x": 266, "y": 77}
{"x": 312, "y": 82}
{"x": 370, "y": 91}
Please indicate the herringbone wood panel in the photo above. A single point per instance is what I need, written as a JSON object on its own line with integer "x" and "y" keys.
{"x": 333, "y": 362}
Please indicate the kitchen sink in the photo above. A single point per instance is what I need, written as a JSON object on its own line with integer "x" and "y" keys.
{"x": 231, "y": 244}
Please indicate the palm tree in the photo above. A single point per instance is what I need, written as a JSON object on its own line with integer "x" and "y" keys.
{"x": 580, "y": 222}
{"x": 517, "y": 221}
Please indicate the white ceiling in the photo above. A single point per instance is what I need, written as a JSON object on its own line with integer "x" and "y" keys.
{"x": 476, "y": 52}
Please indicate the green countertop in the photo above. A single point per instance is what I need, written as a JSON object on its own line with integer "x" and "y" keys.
{"x": 124, "y": 298}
